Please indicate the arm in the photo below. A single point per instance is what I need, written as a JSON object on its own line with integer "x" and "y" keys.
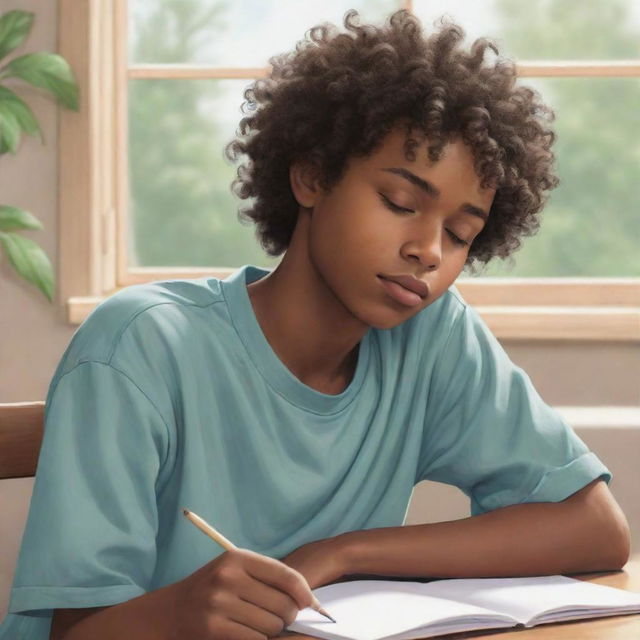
{"x": 585, "y": 532}
{"x": 237, "y": 594}
{"x": 142, "y": 618}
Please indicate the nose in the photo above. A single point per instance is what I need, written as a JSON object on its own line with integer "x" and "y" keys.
{"x": 426, "y": 245}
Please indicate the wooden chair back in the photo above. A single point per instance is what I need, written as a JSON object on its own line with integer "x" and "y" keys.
{"x": 21, "y": 429}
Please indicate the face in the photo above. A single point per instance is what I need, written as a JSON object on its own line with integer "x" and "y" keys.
{"x": 390, "y": 217}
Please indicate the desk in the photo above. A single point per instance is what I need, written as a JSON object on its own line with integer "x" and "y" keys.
{"x": 612, "y": 628}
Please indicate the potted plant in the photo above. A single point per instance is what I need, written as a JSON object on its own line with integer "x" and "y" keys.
{"x": 50, "y": 72}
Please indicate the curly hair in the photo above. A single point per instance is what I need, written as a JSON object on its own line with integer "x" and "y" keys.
{"x": 339, "y": 94}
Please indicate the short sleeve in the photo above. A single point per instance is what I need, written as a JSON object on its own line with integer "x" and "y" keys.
{"x": 90, "y": 537}
{"x": 488, "y": 432}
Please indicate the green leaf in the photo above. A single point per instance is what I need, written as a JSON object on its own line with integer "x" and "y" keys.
{"x": 14, "y": 218}
{"x": 48, "y": 71}
{"x": 9, "y": 132}
{"x": 10, "y": 103}
{"x": 30, "y": 261}
{"x": 14, "y": 28}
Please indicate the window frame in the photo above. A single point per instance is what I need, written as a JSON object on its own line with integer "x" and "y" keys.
{"x": 93, "y": 188}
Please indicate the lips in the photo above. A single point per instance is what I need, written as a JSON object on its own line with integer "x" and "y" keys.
{"x": 411, "y": 283}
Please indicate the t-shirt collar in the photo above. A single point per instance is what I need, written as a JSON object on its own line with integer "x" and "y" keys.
{"x": 275, "y": 373}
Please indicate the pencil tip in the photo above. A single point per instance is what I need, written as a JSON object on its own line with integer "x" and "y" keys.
{"x": 185, "y": 511}
{"x": 325, "y": 614}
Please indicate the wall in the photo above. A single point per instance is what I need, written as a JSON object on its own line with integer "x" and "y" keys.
{"x": 33, "y": 331}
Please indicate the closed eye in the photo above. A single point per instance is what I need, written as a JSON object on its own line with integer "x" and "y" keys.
{"x": 395, "y": 207}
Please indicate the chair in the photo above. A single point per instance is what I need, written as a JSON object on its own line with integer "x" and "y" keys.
{"x": 21, "y": 429}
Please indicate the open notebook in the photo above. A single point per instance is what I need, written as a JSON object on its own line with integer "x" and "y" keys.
{"x": 377, "y": 609}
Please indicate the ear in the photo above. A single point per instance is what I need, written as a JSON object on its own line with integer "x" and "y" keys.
{"x": 303, "y": 178}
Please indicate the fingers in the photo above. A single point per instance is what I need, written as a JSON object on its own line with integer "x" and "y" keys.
{"x": 255, "y": 617}
{"x": 278, "y": 575}
{"x": 271, "y": 599}
{"x": 232, "y": 629}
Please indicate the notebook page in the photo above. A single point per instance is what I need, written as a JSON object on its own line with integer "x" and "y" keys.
{"x": 375, "y": 609}
{"x": 526, "y": 598}
{"x": 594, "y": 600}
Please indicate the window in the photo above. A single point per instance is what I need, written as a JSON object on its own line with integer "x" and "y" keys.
{"x": 161, "y": 81}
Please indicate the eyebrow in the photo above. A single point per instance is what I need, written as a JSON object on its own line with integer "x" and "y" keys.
{"x": 434, "y": 192}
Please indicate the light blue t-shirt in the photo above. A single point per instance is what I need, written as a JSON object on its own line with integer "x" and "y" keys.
{"x": 170, "y": 396}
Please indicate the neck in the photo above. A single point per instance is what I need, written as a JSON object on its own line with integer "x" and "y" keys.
{"x": 310, "y": 330}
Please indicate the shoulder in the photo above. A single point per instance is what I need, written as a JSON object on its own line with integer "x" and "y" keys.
{"x": 420, "y": 340}
{"x": 454, "y": 298}
{"x": 137, "y": 309}
{"x": 436, "y": 321}
{"x": 451, "y": 306}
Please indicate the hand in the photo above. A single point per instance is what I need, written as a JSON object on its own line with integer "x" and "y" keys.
{"x": 238, "y": 595}
{"x": 320, "y": 562}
